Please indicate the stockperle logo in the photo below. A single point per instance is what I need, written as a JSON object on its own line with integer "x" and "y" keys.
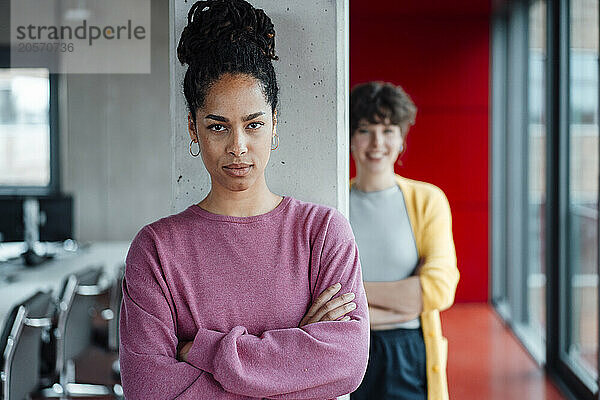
{"x": 81, "y": 36}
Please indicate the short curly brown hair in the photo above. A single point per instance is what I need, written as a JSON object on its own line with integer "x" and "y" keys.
{"x": 380, "y": 101}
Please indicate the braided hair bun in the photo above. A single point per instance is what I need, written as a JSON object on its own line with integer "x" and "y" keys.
{"x": 212, "y": 22}
{"x": 226, "y": 36}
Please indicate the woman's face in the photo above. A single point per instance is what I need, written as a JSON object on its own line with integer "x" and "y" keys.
{"x": 375, "y": 147}
{"x": 234, "y": 130}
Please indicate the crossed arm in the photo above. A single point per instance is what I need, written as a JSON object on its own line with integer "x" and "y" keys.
{"x": 394, "y": 302}
{"x": 325, "y": 308}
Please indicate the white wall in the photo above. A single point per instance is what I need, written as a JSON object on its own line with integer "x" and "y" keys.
{"x": 311, "y": 162}
{"x": 116, "y": 144}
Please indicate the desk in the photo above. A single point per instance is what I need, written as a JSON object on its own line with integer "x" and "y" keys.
{"x": 50, "y": 275}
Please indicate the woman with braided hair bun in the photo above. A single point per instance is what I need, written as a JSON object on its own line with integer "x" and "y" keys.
{"x": 246, "y": 294}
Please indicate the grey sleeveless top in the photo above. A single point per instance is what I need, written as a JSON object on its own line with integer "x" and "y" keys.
{"x": 385, "y": 240}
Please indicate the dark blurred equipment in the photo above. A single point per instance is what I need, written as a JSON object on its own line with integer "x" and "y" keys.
{"x": 56, "y": 218}
{"x": 11, "y": 219}
{"x": 34, "y": 220}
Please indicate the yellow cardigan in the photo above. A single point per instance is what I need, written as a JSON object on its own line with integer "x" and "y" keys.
{"x": 429, "y": 214}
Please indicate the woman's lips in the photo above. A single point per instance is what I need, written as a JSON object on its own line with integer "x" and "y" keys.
{"x": 375, "y": 157}
{"x": 237, "y": 170}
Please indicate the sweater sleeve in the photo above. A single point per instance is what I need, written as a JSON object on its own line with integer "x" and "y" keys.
{"x": 319, "y": 360}
{"x": 148, "y": 341}
{"x": 438, "y": 272}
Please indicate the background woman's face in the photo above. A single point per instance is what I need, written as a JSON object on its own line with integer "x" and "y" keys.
{"x": 234, "y": 128}
{"x": 375, "y": 147}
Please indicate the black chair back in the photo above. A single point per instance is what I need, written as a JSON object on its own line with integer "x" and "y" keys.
{"x": 21, "y": 344}
{"x": 77, "y": 305}
{"x": 77, "y": 334}
{"x": 115, "y": 305}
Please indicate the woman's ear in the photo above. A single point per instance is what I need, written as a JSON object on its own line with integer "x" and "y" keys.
{"x": 274, "y": 121}
{"x": 192, "y": 128}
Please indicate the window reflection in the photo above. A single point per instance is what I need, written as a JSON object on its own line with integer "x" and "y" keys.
{"x": 536, "y": 271}
{"x": 582, "y": 274}
{"x": 24, "y": 127}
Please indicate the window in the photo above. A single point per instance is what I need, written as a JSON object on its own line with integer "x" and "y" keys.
{"x": 580, "y": 342}
{"x": 28, "y": 130}
{"x": 25, "y": 128}
{"x": 535, "y": 277}
{"x": 545, "y": 183}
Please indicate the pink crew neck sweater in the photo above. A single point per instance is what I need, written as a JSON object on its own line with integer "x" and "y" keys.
{"x": 238, "y": 287}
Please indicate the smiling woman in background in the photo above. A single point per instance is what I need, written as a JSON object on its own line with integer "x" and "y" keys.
{"x": 404, "y": 233}
{"x": 233, "y": 298}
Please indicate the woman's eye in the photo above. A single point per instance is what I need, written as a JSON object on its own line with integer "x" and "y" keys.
{"x": 217, "y": 128}
{"x": 255, "y": 125}
{"x": 388, "y": 131}
{"x": 363, "y": 131}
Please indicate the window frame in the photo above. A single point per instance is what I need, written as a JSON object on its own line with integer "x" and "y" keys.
{"x": 510, "y": 241}
{"x": 54, "y": 185}
{"x": 509, "y": 303}
{"x": 558, "y": 196}
{"x": 562, "y": 367}
{"x": 499, "y": 66}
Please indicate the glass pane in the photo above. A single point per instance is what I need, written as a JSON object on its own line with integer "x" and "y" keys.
{"x": 536, "y": 270}
{"x": 24, "y": 127}
{"x": 582, "y": 337}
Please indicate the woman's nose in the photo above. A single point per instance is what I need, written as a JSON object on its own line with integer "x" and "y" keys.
{"x": 376, "y": 138}
{"x": 237, "y": 144}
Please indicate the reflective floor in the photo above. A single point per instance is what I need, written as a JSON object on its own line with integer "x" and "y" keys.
{"x": 486, "y": 361}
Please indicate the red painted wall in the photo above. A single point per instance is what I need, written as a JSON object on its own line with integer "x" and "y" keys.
{"x": 440, "y": 55}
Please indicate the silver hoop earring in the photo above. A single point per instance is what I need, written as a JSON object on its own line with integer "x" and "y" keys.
{"x": 191, "y": 153}
{"x": 274, "y": 142}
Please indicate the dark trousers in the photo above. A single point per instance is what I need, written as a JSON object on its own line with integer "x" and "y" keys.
{"x": 396, "y": 368}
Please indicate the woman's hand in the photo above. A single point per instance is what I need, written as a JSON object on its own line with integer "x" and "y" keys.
{"x": 182, "y": 350}
{"x": 326, "y": 309}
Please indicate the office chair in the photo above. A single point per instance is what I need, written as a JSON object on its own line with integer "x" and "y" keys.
{"x": 113, "y": 324}
{"x": 21, "y": 346}
{"x": 116, "y": 297}
{"x": 73, "y": 332}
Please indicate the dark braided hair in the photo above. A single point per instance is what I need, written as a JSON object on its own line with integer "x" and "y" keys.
{"x": 226, "y": 36}
{"x": 377, "y": 102}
